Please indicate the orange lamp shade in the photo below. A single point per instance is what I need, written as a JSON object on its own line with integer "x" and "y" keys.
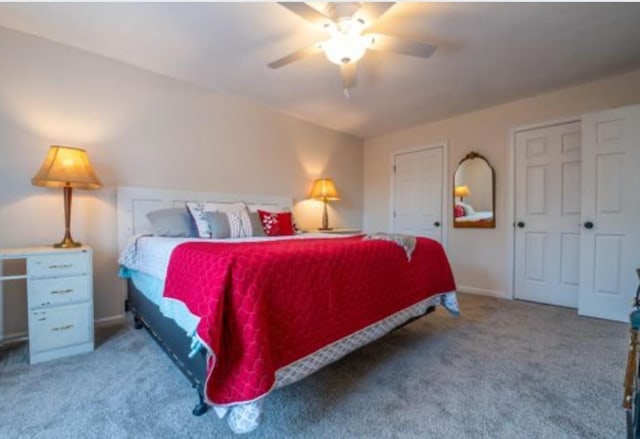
{"x": 324, "y": 189}
{"x": 65, "y": 166}
{"x": 462, "y": 191}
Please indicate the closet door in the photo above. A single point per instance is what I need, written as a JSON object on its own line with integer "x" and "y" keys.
{"x": 610, "y": 237}
{"x": 417, "y": 193}
{"x": 547, "y": 234}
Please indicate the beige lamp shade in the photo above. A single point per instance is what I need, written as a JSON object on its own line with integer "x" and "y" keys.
{"x": 324, "y": 189}
{"x": 65, "y": 166}
{"x": 462, "y": 191}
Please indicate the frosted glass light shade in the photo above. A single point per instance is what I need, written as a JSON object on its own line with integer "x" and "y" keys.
{"x": 345, "y": 49}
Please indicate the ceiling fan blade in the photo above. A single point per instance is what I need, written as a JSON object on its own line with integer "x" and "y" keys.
{"x": 371, "y": 11}
{"x": 399, "y": 45}
{"x": 349, "y": 75}
{"x": 308, "y": 13}
{"x": 314, "y": 49}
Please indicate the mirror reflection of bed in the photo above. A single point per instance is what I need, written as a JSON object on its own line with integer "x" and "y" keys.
{"x": 474, "y": 193}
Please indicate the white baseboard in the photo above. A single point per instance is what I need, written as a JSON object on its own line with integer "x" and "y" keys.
{"x": 119, "y": 319}
{"x": 482, "y": 291}
{"x": 16, "y": 337}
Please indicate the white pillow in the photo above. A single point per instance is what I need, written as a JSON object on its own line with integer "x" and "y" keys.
{"x": 468, "y": 210}
{"x": 239, "y": 221}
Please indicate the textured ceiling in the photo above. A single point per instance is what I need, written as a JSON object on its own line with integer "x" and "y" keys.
{"x": 487, "y": 53}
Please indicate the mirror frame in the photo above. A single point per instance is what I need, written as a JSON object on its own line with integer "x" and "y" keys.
{"x": 484, "y": 224}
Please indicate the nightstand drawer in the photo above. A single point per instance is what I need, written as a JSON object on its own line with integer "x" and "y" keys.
{"x": 58, "y": 265}
{"x": 60, "y": 327}
{"x": 61, "y": 291}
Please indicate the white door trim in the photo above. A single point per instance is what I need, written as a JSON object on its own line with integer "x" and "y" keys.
{"x": 511, "y": 194}
{"x": 446, "y": 189}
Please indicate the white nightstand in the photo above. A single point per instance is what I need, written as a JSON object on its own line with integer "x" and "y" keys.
{"x": 59, "y": 298}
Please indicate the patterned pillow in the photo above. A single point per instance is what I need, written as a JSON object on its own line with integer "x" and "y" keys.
{"x": 277, "y": 223}
{"x": 240, "y": 223}
{"x": 458, "y": 211}
{"x": 237, "y": 213}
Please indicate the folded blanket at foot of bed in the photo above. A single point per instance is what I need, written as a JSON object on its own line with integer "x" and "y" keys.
{"x": 406, "y": 242}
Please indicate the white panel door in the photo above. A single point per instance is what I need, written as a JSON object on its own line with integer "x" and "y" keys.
{"x": 417, "y": 184}
{"x": 610, "y": 238}
{"x": 548, "y": 197}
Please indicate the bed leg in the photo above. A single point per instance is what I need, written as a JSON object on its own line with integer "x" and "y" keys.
{"x": 201, "y": 407}
{"x": 137, "y": 322}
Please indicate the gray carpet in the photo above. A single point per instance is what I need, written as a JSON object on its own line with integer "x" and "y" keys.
{"x": 504, "y": 369}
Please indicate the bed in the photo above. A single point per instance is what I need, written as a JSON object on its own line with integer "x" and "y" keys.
{"x": 243, "y": 317}
{"x": 475, "y": 217}
{"x": 464, "y": 215}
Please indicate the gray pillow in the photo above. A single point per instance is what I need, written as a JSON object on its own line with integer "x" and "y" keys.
{"x": 219, "y": 224}
{"x": 256, "y": 224}
{"x": 175, "y": 222}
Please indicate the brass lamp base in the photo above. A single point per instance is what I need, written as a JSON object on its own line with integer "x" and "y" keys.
{"x": 67, "y": 242}
{"x": 324, "y": 229}
{"x": 325, "y": 216}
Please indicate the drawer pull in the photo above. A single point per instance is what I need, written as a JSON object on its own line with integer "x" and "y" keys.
{"x": 57, "y": 266}
{"x": 67, "y": 291}
{"x": 45, "y": 303}
{"x": 62, "y": 328}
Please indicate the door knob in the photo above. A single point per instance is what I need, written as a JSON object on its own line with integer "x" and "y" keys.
{"x": 437, "y": 224}
{"x": 520, "y": 224}
{"x": 588, "y": 225}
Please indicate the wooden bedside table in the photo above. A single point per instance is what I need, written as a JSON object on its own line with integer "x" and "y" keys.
{"x": 59, "y": 299}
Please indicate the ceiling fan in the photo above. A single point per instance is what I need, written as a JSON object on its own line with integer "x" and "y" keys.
{"x": 347, "y": 42}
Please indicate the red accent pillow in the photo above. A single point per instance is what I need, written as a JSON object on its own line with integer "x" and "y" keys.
{"x": 277, "y": 223}
{"x": 458, "y": 211}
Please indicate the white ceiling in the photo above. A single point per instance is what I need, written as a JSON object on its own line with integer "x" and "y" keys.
{"x": 488, "y": 53}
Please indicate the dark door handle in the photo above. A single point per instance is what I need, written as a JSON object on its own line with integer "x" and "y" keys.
{"x": 520, "y": 224}
{"x": 588, "y": 225}
{"x": 437, "y": 224}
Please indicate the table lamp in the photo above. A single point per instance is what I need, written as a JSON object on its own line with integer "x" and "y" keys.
{"x": 68, "y": 168}
{"x": 462, "y": 191}
{"x": 323, "y": 189}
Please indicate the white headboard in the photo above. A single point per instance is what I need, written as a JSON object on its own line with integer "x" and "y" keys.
{"x": 135, "y": 202}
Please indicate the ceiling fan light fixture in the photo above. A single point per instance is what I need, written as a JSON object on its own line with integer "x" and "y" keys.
{"x": 345, "y": 49}
{"x": 346, "y": 44}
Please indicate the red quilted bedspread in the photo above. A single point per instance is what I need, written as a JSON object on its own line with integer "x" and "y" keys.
{"x": 264, "y": 305}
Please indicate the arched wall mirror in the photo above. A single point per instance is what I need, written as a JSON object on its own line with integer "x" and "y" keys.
{"x": 474, "y": 193}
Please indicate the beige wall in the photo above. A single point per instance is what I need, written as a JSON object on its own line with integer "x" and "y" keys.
{"x": 142, "y": 129}
{"x": 479, "y": 256}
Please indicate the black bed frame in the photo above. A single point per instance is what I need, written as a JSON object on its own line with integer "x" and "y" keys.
{"x": 176, "y": 344}
{"x": 172, "y": 339}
